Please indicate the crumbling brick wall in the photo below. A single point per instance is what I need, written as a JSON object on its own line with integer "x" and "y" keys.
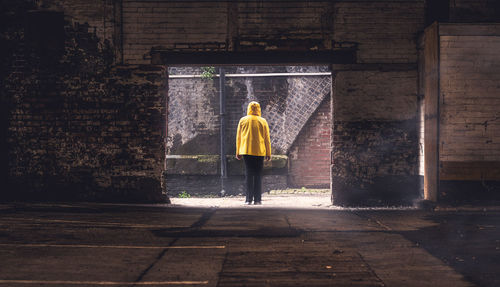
{"x": 80, "y": 128}
{"x": 375, "y": 128}
{"x": 375, "y": 148}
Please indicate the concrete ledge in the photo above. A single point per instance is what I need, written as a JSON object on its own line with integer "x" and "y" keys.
{"x": 193, "y": 164}
{"x": 469, "y": 29}
{"x": 468, "y": 191}
{"x": 469, "y": 170}
{"x": 210, "y": 185}
{"x": 210, "y": 165}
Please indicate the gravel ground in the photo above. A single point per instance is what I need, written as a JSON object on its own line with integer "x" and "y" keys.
{"x": 276, "y": 199}
{"x": 315, "y": 201}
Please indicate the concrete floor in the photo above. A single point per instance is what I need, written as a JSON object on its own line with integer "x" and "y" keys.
{"x": 158, "y": 245}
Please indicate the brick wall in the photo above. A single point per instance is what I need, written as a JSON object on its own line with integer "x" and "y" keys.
{"x": 375, "y": 137}
{"x": 469, "y": 141}
{"x": 68, "y": 71}
{"x": 375, "y": 128}
{"x": 170, "y": 24}
{"x": 80, "y": 128}
{"x": 223, "y": 25}
{"x": 292, "y": 112}
{"x": 274, "y": 25}
{"x": 461, "y": 91}
{"x": 469, "y": 11}
{"x": 309, "y": 156}
{"x": 193, "y": 115}
{"x": 470, "y": 101}
{"x": 248, "y": 26}
{"x": 220, "y": 26}
{"x": 99, "y": 15}
{"x": 383, "y": 31}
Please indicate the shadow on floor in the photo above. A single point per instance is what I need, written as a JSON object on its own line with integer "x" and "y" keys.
{"x": 467, "y": 241}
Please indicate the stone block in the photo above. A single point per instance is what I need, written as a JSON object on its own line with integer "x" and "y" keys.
{"x": 193, "y": 165}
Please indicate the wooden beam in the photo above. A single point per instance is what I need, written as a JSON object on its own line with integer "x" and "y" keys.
{"x": 163, "y": 57}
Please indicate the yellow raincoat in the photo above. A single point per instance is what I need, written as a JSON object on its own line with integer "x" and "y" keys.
{"x": 252, "y": 136}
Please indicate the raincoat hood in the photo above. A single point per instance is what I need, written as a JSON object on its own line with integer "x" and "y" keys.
{"x": 253, "y": 109}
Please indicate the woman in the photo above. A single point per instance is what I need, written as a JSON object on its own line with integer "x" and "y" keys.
{"x": 253, "y": 143}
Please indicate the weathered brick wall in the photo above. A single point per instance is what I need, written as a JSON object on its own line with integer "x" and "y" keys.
{"x": 372, "y": 27}
{"x": 375, "y": 128}
{"x": 375, "y": 102}
{"x": 469, "y": 138}
{"x": 99, "y": 15}
{"x": 193, "y": 114}
{"x": 278, "y": 25}
{"x": 224, "y": 25}
{"x": 291, "y": 113}
{"x": 470, "y": 98}
{"x": 171, "y": 24}
{"x": 309, "y": 156}
{"x": 470, "y": 11}
{"x": 79, "y": 127}
{"x": 383, "y": 31}
{"x": 375, "y": 137}
{"x": 9, "y": 42}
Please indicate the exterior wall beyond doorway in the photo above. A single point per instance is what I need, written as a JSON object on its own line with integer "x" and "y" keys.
{"x": 309, "y": 156}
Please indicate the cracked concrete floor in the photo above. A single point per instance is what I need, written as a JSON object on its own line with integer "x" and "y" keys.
{"x": 88, "y": 244}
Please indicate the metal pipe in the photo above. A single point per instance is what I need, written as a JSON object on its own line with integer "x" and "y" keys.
{"x": 255, "y": 75}
{"x": 222, "y": 101}
{"x": 121, "y": 32}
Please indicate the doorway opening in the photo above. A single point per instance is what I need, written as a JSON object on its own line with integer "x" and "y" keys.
{"x": 296, "y": 102}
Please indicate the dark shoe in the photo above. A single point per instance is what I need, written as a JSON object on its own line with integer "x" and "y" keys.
{"x": 248, "y": 202}
{"x": 257, "y": 203}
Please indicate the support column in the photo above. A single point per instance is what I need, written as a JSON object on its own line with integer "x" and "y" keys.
{"x": 332, "y": 129}
{"x": 222, "y": 101}
{"x": 431, "y": 109}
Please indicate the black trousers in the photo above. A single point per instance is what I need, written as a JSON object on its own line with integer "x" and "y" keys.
{"x": 253, "y": 177}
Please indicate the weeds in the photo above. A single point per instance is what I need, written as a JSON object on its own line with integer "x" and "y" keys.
{"x": 184, "y": 194}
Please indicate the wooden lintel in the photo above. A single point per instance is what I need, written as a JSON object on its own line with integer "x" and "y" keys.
{"x": 163, "y": 57}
